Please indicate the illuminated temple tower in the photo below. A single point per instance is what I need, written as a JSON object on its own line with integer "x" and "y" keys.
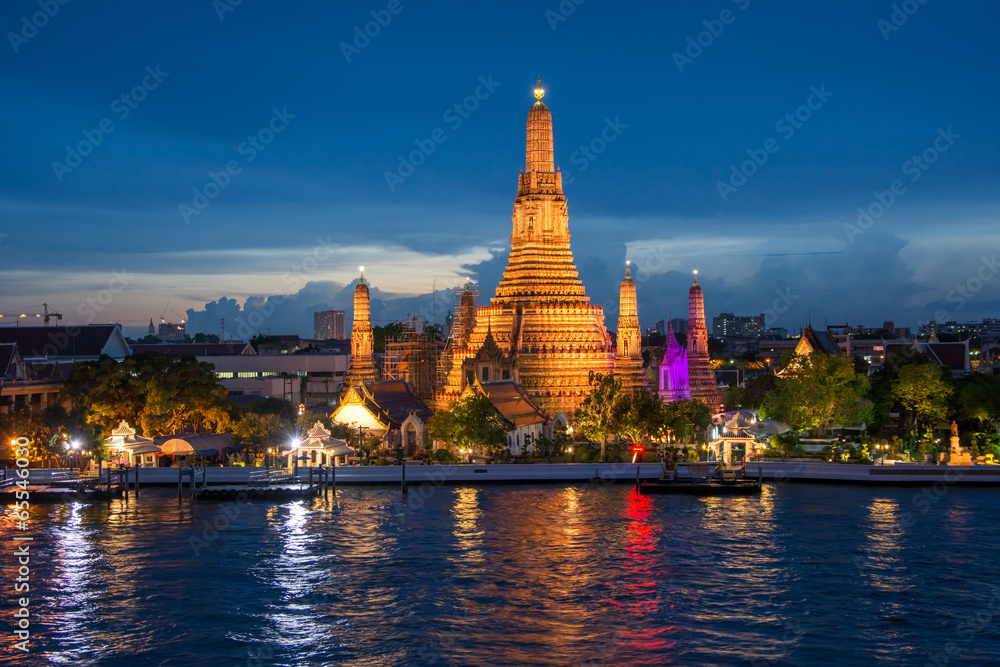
{"x": 700, "y": 374}
{"x": 362, "y": 368}
{"x": 674, "y": 385}
{"x": 540, "y": 320}
{"x": 628, "y": 355}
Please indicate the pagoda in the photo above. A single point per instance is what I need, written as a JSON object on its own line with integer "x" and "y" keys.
{"x": 628, "y": 353}
{"x": 674, "y": 385}
{"x": 541, "y": 319}
{"x": 362, "y": 368}
{"x": 700, "y": 374}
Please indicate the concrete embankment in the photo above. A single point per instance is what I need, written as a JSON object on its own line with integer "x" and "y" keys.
{"x": 875, "y": 475}
{"x": 533, "y": 473}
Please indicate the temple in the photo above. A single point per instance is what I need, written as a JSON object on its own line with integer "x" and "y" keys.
{"x": 628, "y": 352}
{"x": 362, "y": 368}
{"x": 674, "y": 386}
{"x": 540, "y": 328}
{"x": 700, "y": 373}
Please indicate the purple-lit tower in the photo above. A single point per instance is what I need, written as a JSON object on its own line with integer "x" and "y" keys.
{"x": 674, "y": 370}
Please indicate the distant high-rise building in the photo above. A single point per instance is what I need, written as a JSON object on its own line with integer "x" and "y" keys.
{"x": 679, "y": 325}
{"x": 661, "y": 327}
{"x": 985, "y": 330}
{"x": 330, "y": 324}
{"x": 742, "y": 326}
{"x": 171, "y": 332}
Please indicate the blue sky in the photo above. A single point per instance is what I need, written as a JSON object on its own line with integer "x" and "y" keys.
{"x": 108, "y": 238}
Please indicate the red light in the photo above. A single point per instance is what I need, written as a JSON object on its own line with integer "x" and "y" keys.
{"x": 639, "y": 449}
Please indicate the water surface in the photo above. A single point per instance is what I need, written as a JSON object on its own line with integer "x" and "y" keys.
{"x": 517, "y": 575}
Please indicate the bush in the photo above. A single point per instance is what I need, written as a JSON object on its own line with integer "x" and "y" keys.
{"x": 382, "y": 461}
{"x": 444, "y": 456}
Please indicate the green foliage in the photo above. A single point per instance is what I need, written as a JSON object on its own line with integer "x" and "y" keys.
{"x": 786, "y": 444}
{"x": 260, "y": 431}
{"x": 548, "y": 449}
{"x": 641, "y": 416}
{"x": 48, "y": 431}
{"x": 818, "y": 389}
{"x": 185, "y": 397}
{"x": 473, "y": 422}
{"x": 598, "y": 416}
{"x": 923, "y": 391}
{"x": 445, "y": 456}
{"x": 978, "y": 397}
{"x": 159, "y": 394}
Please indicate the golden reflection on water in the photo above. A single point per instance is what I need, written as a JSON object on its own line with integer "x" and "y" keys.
{"x": 468, "y": 531}
{"x": 879, "y": 560}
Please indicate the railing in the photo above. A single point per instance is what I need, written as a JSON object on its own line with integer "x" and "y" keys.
{"x": 270, "y": 477}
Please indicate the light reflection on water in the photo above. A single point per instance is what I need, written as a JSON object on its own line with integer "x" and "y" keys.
{"x": 517, "y": 575}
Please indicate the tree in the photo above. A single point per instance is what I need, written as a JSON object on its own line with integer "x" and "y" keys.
{"x": 923, "y": 391}
{"x": 105, "y": 392}
{"x": 186, "y": 396}
{"x": 597, "y": 417}
{"x": 260, "y": 431}
{"x": 641, "y": 416}
{"x": 473, "y": 422}
{"x": 818, "y": 389}
{"x": 978, "y": 397}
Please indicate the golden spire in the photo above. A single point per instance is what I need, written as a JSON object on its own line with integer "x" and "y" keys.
{"x": 539, "y": 91}
{"x": 696, "y": 276}
{"x": 362, "y": 270}
{"x": 628, "y": 271}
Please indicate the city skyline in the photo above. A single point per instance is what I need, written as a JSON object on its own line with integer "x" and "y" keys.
{"x": 678, "y": 152}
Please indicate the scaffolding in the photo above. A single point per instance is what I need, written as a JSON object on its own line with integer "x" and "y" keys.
{"x": 412, "y": 355}
{"x": 461, "y": 322}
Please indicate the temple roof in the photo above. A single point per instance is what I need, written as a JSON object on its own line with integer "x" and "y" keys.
{"x": 390, "y": 402}
{"x": 512, "y": 402}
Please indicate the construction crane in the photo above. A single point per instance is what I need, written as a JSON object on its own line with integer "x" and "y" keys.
{"x": 46, "y": 315}
{"x": 164, "y": 313}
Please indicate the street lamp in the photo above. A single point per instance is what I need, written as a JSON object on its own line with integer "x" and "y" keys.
{"x": 571, "y": 455}
{"x": 73, "y": 445}
{"x": 296, "y": 443}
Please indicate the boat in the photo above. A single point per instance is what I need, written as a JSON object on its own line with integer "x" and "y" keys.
{"x": 704, "y": 479}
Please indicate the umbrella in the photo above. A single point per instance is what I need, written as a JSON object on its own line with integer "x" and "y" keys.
{"x": 769, "y": 427}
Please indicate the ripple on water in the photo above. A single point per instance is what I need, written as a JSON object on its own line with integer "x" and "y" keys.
{"x": 521, "y": 575}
